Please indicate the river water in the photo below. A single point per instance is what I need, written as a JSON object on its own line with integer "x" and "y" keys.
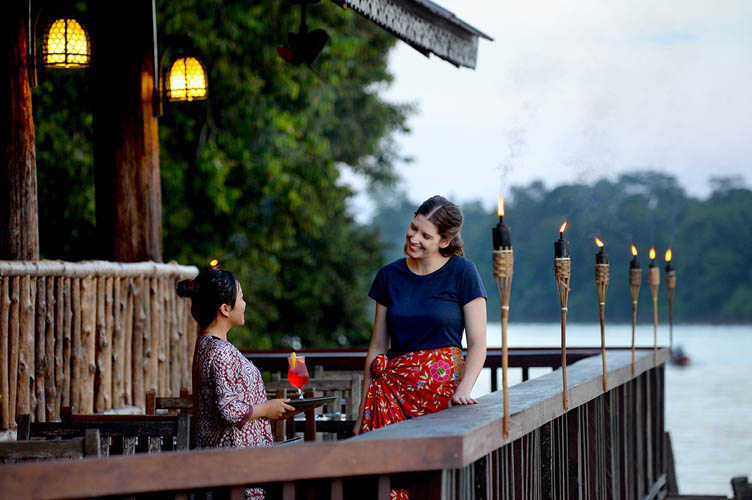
{"x": 708, "y": 403}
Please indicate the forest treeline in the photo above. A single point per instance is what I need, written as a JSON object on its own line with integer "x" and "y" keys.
{"x": 711, "y": 241}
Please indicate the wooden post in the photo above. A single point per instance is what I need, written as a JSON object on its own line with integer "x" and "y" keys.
{"x": 13, "y": 348}
{"x": 50, "y": 394}
{"x": 163, "y": 383}
{"x": 75, "y": 379}
{"x": 67, "y": 342}
{"x": 19, "y": 227}
{"x": 139, "y": 325}
{"x": 152, "y": 371}
{"x": 173, "y": 332}
{"x": 38, "y": 396}
{"x": 99, "y": 350}
{"x": 126, "y": 143}
{"x": 26, "y": 347}
{"x": 120, "y": 301}
{"x": 127, "y": 284}
{"x": 190, "y": 345}
{"x": 61, "y": 330}
{"x": 103, "y": 384}
{"x": 88, "y": 344}
{"x": 4, "y": 361}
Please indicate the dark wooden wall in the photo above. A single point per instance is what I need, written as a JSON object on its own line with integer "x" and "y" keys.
{"x": 19, "y": 232}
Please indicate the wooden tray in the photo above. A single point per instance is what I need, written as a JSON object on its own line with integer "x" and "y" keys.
{"x": 305, "y": 403}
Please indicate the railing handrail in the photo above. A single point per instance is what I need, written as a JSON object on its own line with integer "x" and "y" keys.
{"x": 450, "y": 439}
{"x": 353, "y": 358}
{"x": 94, "y": 268}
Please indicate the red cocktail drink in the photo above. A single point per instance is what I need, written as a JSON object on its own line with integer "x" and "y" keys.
{"x": 297, "y": 372}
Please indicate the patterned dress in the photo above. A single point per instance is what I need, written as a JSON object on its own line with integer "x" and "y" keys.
{"x": 225, "y": 387}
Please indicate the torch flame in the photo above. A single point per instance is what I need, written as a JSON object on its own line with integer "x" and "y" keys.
{"x": 668, "y": 255}
{"x": 652, "y": 253}
{"x": 563, "y": 227}
{"x": 500, "y": 206}
{"x": 214, "y": 264}
{"x": 599, "y": 242}
{"x": 634, "y": 250}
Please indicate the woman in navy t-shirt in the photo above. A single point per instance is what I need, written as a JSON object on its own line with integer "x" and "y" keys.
{"x": 424, "y": 302}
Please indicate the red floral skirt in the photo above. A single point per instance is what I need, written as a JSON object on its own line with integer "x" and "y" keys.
{"x": 414, "y": 384}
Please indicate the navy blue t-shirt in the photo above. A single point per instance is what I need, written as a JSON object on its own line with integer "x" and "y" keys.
{"x": 425, "y": 312}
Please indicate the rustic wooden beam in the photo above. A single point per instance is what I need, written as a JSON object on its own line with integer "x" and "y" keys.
{"x": 97, "y": 267}
{"x": 126, "y": 143}
{"x": 19, "y": 227}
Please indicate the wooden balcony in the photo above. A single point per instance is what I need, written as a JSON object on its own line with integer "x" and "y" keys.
{"x": 608, "y": 445}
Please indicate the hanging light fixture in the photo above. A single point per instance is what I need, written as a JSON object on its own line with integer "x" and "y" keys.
{"x": 65, "y": 44}
{"x": 186, "y": 80}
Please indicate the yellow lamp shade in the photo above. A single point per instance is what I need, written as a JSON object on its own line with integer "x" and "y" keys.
{"x": 66, "y": 45}
{"x": 187, "y": 80}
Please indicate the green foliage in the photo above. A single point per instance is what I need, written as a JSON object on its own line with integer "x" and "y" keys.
{"x": 710, "y": 240}
{"x": 251, "y": 176}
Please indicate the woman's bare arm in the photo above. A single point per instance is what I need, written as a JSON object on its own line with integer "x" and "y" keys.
{"x": 475, "y": 329}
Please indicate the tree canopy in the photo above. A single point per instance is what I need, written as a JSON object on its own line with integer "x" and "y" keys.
{"x": 252, "y": 175}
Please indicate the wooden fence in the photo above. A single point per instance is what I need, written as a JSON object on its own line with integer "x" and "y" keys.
{"x": 91, "y": 335}
{"x": 608, "y": 445}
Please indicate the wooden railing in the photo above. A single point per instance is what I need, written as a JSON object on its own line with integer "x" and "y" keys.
{"x": 608, "y": 445}
{"x": 353, "y": 359}
{"x": 91, "y": 335}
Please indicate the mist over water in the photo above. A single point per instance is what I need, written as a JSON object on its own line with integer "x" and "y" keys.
{"x": 708, "y": 403}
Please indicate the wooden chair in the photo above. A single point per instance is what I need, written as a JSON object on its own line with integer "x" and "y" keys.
{"x": 87, "y": 446}
{"x": 181, "y": 404}
{"x": 184, "y": 404}
{"x": 120, "y": 434}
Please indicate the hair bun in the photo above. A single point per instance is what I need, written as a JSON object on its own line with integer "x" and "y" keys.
{"x": 185, "y": 288}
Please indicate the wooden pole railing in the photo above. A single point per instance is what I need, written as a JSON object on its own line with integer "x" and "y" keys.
{"x": 353, "y": 359}
{"x": 608, "y": 445}
{"x": 91, "y": 335}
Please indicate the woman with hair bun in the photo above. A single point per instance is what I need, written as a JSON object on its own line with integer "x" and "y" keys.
{"x": 424, "y": 302}
{"x": 230, "y": 408}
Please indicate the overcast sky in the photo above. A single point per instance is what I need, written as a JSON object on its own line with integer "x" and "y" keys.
{"x": 575, "y": 91}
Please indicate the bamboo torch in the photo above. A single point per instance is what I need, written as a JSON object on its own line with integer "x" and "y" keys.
{"x": 601, "y": 284}
{"x": 562, "y": 273}
{"x": 635, "y": 280}
{"x": 654, "y": 280}
{"x": 503, "y": 264}
{"x": 670, "y": 287}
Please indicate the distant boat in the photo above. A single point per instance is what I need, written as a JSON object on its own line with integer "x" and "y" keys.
{"x": 679, "y": 357}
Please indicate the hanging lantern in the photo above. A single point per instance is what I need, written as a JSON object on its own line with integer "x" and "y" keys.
{"x": 65, "y": 44}
{"x": 186, "y": 80}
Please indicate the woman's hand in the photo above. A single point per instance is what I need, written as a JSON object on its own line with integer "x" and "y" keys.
{"x": 463, "y": 399}
{"x": 272, "y": 409}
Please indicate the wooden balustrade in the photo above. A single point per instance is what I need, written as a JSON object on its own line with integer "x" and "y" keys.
{"x": 608, "y": 445}
{"x": 90, "y": 335}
